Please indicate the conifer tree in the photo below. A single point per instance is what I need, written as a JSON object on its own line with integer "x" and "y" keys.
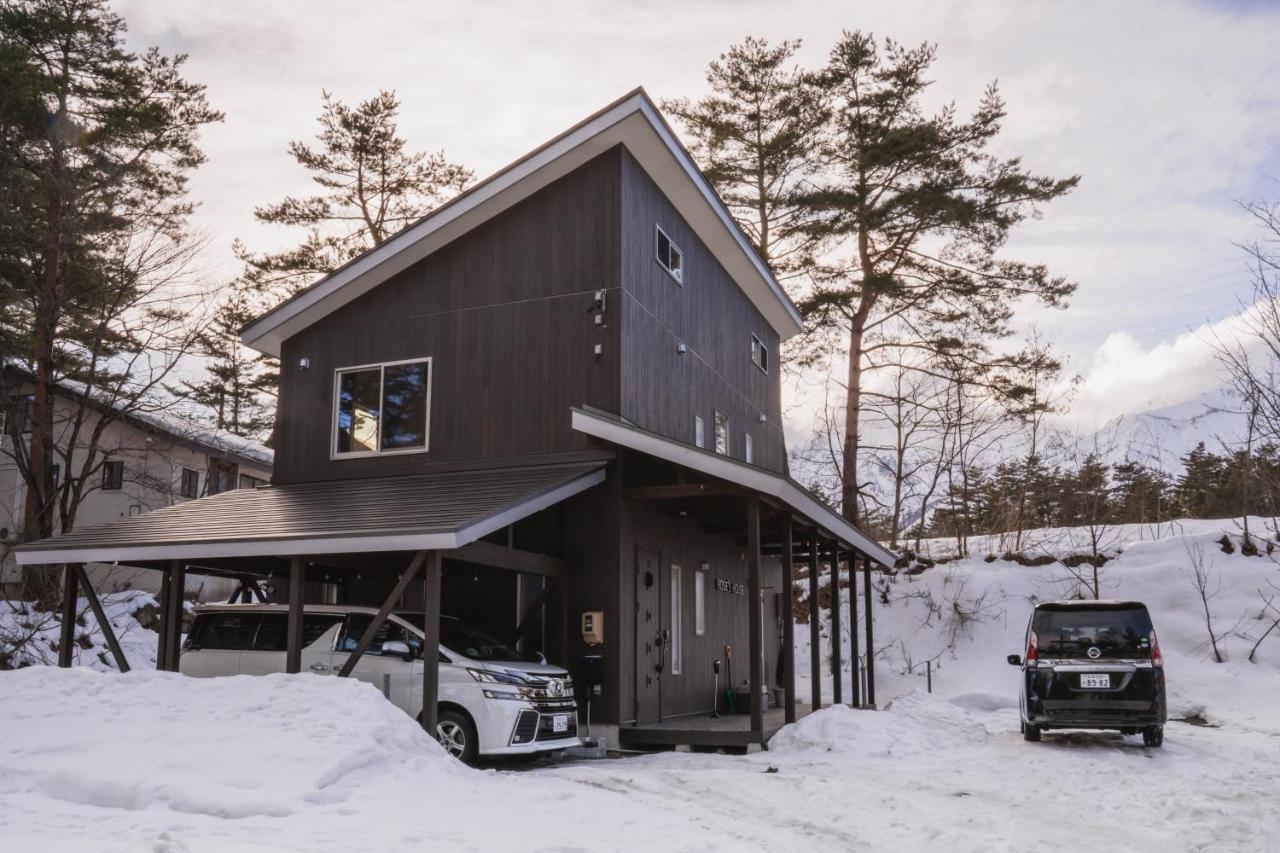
{"x": 756, "y": 139}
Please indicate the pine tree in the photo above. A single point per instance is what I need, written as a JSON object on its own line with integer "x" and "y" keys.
{"x": 371, "y": 188}
{"x": 913, "y": 211}
{"x": 756, "y": 138}
{"x": 237, "y": 384}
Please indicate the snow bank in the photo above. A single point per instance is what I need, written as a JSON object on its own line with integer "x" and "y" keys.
{"x": 911, "y": 725}
{"x": 29, "y": 636}
{"x": 225, "y": 747}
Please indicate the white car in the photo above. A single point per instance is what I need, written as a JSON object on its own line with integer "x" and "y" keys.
{"x": 494, "y": 699}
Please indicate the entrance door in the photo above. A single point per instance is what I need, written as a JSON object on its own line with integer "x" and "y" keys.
{"x": 649, "y": 640}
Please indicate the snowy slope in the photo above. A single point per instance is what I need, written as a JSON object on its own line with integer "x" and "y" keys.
{"x": 1161, "y": 436}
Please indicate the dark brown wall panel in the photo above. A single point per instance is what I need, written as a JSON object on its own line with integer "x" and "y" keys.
{"x": 502, "y": 311}
{"x": 663, "y": 390}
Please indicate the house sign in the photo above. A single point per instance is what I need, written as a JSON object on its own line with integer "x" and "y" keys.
{"x": 725, "y": 585}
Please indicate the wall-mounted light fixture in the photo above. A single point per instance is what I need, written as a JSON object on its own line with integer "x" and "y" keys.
{"x": 682, "y": 349}
{"x": 763, "y": 419}
{"x": 304, "y": 363}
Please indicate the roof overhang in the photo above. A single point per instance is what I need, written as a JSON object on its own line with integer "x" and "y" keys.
{"x": 164, "y": 534}
{"x": 633, "y": 121}
{"x": 624, "y": 434}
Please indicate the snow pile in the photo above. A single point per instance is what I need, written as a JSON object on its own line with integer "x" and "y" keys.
{"x": 29, "y": 636}
{"x": 197, "y": 746}
{"x": 914, "y": 724}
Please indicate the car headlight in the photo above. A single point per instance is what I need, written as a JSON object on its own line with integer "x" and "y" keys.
{"x": 516, "y": 696}
{"x": 489, "y": 677}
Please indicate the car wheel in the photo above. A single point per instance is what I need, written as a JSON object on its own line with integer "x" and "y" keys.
{"x": 457, "y": 735}
{"x": 1153, "y": 736}
{"x": 1031, "y": 734}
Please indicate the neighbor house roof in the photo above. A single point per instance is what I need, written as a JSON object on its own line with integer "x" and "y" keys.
{"x": 621, "y": 432}
{"x": 404, "y": 513}
{"x": 633, "y": 121}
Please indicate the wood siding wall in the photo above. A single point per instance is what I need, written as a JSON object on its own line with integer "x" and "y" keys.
{"x": 662, "y": 390}
{"x": 502, "y": 311}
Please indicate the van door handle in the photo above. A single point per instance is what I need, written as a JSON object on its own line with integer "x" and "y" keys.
{"x": 319, "y": 667}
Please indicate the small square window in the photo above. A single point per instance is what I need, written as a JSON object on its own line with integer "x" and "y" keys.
{"x": 759, "y": 354}
{"x": 190, "y": 487}
{"x": 112, "y": 475}
{"x": 722, "y": 433}
{"x": 670, "y": 256}
{"x": 699, "y": 432}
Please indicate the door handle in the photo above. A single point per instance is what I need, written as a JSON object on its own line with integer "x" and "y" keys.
{"x": 319, "y": 667}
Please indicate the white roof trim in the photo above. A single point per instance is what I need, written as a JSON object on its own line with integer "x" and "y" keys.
{"x": 281, "y": 546}
{"x": 633, "y": 121}
{"x": 733, "y": 471}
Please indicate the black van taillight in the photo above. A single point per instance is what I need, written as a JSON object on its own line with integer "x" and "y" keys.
{"x": 1033, "y": 653}
{"x": 1157, "y": 659}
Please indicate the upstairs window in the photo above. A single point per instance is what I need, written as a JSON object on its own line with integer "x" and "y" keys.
{"x": 759, "y": 354}
{"x": 190, "y": 486}
{"x": 112, "y": 475}
{"x": 748, "y": 448}
{"x": 220, "y": 478}
{"x": 699, "y": 432}
{"x": 247, "y": 482}
{"x": 670, "y": 256}
{"x": 382, "y": 408}
{"x": 722, "y": 433}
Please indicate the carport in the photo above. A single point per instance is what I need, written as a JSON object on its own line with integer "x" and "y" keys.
{"x": 402, "y": 527}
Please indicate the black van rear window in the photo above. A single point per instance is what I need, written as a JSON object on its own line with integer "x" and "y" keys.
{"x": 1114, "y": 631}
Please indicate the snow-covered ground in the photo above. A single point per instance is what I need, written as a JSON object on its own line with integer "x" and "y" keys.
{"x": 29, "y": 636}
{"x": 157, "y": 762}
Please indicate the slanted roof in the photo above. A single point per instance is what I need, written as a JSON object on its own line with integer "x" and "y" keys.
{"x": 633, "y": 121}
{"x": 412, "y": 512}
{"x": 616, "y": 430}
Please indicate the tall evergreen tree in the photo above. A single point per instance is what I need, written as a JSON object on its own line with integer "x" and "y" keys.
{"x": 372, "y": 186}
{"x": 913, "y": 211}
{"x": 236, "y": 386}
{"x": 97, "y": 143}
{"x": 756, "y": 138}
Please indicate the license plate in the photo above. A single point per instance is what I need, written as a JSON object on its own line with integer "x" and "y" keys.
{"x": 560, "y": 723}
{"x": 1102, "y": 680}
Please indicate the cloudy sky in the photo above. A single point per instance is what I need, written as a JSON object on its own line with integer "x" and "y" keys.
{"x": 1170, "y": 111}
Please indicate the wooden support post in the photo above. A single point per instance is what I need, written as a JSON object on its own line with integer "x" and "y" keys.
{"x": 107, "y": 631}
{"x": 534, "y": 611}
{"x": 871, "y": 649}
{"x": 252, "y": 585}
{"x": 788, "y": 625}
{"x": 67, "y": 635}
{"x": 754, "y": 619}
{"x": 855, "y": 683}
{"x": 173, "y": 626}
{"x": 162, "y": 630}
{"x": 431, "y": 642}
{"x": 837, "y": 670}
{"x": 293, "y": 630}
{"x": 815, "y": 632}
{"x": 234, "y": 597}
{"x": 381, "y": 616}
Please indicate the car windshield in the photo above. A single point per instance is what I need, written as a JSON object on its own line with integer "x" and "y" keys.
{"x": 470, "y": 641}
{"x": 1114, "y": 631}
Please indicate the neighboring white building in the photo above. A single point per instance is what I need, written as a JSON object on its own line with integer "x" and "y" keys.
{"x": 148, "y": 461}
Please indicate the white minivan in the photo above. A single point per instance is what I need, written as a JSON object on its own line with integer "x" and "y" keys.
{"x": 494, "y": 699}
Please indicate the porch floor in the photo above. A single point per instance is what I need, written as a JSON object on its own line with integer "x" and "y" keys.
{"x": 703, "y": 730}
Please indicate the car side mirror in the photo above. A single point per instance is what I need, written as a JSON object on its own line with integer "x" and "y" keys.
{"x": 399, "y": 648}
{"x": 1014, "y": 660}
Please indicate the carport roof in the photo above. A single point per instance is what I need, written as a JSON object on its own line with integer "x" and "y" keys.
{"x": 402, "y": 513}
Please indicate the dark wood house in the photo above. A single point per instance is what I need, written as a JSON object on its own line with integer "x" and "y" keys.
{"x": 560, "y": 393}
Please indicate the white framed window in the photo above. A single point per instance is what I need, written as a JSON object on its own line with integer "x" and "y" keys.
{"x": 722, "y": 433}
{"x": 677, "y": 618}
{"x": 699, "y": 432}
{"x": 759, "y": 354}
{"x": 748, "y": 448}
{"x": 700, "y": 602}
{"x": 381, "y": 409}
{"x": 669, "y": 255}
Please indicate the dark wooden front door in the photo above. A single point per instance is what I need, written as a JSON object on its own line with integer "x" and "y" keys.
{"x": 649, "y": 649}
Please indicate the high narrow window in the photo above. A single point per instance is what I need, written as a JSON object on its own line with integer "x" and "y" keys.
{"x": 112, "y": 475}
{"x": 382, "y": 408}
{"x": 190, "y": 487}
{"x": 700, "y": 602}
{"x": 722, "y": 433}
{"x": 699, "y": 432}
{"x": 759, "y": 354}
{"x": 220, "y": 478}
{"x": 677, "y": 617}
{"x": 670, "y": 256}
{"x": 248, "y": 482}
{"x": 748, "y": 448}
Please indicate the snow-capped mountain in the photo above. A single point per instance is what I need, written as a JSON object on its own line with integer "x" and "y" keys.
{"x": 1160, "y": 437}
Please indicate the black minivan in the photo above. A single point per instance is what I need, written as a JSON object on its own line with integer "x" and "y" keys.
{"x": 1092, "y": 665}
